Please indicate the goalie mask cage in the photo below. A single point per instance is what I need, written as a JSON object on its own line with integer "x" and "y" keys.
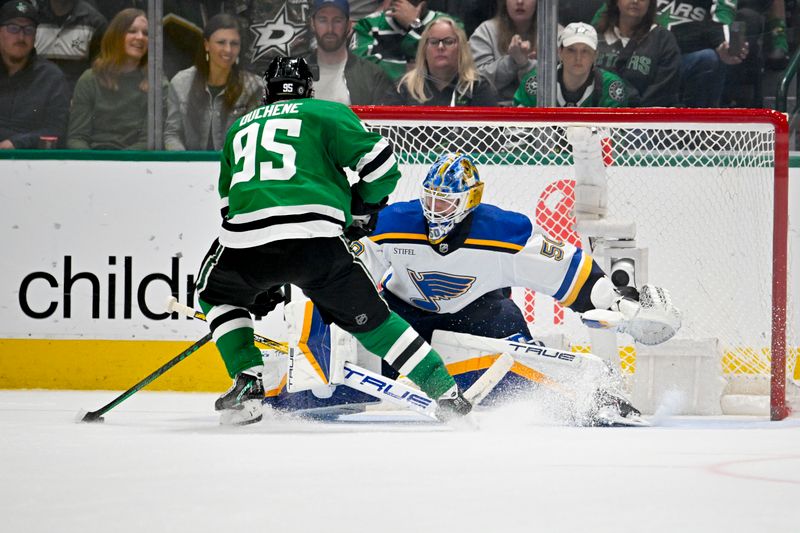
{"x": 697, "y": 202}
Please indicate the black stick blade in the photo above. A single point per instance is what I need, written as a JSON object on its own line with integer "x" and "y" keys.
{"x": 93, "y": 416}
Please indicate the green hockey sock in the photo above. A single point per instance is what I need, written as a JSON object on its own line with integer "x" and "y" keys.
{"x": 402, "y": 347}
{"x": 236, "y": 346}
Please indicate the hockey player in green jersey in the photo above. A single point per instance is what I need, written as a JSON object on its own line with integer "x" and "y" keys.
{"x": 286, "y": 203}
{"x": 579, "y": 82}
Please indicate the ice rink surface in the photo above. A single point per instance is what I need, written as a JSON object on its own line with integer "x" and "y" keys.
{"x": 160, "y": 463}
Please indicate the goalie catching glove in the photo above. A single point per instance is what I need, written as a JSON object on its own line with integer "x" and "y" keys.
{"x": 650, "y": 320}
{"x": 365, "y": 216}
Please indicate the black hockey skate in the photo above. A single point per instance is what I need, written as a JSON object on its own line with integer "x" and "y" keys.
{"x": 242, "y": 404}
{"x": 613, "y": 410}
{"x": 452, "y": 404}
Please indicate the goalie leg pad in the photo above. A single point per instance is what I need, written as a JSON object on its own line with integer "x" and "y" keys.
{"x": 317, "y": 351}
{"x": 342, "y": 400}
{"x": 568, "y": 374}
{"x": 317, "y": 354}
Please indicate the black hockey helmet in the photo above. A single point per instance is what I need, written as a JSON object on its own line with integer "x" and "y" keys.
{"x": 287, "y": 78}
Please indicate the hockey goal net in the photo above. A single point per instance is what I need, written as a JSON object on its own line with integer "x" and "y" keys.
{"x": 692, "y": 200}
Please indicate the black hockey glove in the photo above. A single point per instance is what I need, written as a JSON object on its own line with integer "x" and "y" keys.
{"x": 365, "y": 216}
{"x": 266, "y": 301}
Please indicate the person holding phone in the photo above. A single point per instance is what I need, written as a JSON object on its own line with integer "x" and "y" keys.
{"x": 711, "y": 36}
{"x": 709, "y": 41}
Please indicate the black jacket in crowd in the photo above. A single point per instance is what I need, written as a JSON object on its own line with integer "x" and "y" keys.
{"x": 34, "y": 102}
{"x": 650, "y": 66}
{"x": 483, "y": 95}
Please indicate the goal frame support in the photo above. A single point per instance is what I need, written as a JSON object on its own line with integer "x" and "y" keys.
{"x": 778, "y": 406}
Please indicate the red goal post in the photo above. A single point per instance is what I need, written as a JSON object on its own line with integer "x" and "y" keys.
{"x": 693, "y": 197}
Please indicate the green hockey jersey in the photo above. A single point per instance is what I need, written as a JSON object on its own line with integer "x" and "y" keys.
{"x": 602, "y": 89}
{"x": 281, "y": 172}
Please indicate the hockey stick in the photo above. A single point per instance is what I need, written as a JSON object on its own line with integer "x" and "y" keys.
{"x": 379, "y": 386}
{"x": 97, "y": 416}
{"x": 174, "y": 306}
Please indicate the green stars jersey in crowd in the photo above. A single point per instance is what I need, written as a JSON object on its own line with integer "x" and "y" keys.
{"x": 281, "y": 173}
{"x": 603, "y": 89}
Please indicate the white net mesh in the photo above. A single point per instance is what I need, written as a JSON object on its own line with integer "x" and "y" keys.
{"x": 700, "y": 196}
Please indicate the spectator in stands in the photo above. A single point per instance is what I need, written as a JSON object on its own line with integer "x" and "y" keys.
{"x": 704, "y": 49}
{"x": 579, "y": 82}
{"x": 444, "y": 72}
{"x": 182, "y": 27}
{"x": 110, "y": 99}
{"x": 391, "y": 37}
{"x": 69, "y": 35}
{"x": 33, "y": 91}
{"x": 707, "y": 64}
{"x": 640, "y": 52}
{"x": 776, "y": 47}
{"x": 205, "y": 100}
{"x": 766, "y": 36}
{"x": 343, "y": 76}
{"x": 504, "y": 47}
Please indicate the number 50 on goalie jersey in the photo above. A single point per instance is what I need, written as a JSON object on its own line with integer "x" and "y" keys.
{"x": 281, "y": 172}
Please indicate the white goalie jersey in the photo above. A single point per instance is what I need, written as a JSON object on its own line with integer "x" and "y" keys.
{"x": 498, "y": 249}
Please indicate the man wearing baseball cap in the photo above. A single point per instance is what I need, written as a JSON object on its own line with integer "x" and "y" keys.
{"x": 580, "y": 83}
{"x": 340, "y": 75}
{"x": 33, "y": 91}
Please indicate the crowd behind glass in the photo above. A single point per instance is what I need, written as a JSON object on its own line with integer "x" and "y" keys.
{"x": 74, "y": 72}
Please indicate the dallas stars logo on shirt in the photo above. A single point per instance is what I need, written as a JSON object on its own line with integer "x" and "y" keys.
{"x": 276, "y": 35}
{"x": 616, "y": 91}
{"x": 674, "y": 13}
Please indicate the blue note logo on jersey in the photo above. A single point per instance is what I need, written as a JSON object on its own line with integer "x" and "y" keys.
{"x": 435, "y": 286}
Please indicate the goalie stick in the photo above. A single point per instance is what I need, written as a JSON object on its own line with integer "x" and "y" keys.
{"x": 381, "y": 387}
{"x": 97, "y": 416}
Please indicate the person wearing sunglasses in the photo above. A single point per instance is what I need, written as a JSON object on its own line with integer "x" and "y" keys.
{"x": 34, "y": 101}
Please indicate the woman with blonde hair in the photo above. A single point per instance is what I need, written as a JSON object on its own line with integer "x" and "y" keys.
{"x": 110, "y": 99}
{"x": 504, "y": 47}
{"x": 205, "y": 100}
{"x": 444, "y": 73}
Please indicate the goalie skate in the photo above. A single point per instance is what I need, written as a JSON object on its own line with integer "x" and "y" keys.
{"x": 613, "y": 410}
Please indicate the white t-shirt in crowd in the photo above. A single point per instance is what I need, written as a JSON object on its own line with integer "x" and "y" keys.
{"x": 331, "y": 85}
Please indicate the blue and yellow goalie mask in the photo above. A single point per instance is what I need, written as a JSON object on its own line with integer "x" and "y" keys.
{"x": 450, "y": 191}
